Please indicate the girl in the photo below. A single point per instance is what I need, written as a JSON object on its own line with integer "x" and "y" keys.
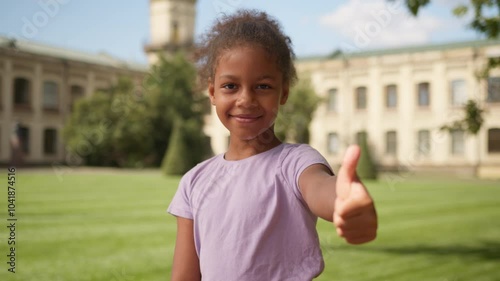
{"x": 250, "y": 213}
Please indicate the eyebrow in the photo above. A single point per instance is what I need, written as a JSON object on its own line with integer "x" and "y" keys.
{"x": 229, "y": 76}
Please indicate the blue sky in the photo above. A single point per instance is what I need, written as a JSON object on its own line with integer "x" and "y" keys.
{"x": 317, "y": 27}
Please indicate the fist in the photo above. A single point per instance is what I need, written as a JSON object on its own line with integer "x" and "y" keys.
{"x": 354, "y": 213}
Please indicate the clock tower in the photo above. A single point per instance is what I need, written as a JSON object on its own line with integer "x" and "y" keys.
{"x": 172, "y": 27}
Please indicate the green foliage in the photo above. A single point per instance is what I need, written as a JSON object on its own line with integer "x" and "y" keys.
{"x": 471, "y": 122}
{"x": 366, "y": 169}
{"x": 128, "y": 128}
{"x": 486, "y": 20}
{"x": 175, "y": 161}
{"x": 187, "y": 147}
{"x": 171, "y": 94}
{"x": 108, "y": 129}
{"x": 296, "y": 115}
{"x": 415, "y": 5}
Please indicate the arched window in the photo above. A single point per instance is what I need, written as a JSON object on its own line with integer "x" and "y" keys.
{"x": 361, "y": 98}
{"x": 494, "y": 140}
{"x": 50, "y": 95}
{"x": 22, "y": 89}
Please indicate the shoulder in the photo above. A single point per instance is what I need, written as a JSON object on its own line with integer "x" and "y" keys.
{"x": 299, "y": 156}
{"x": 201, "y": 168}
{"x": 298, "y": 149}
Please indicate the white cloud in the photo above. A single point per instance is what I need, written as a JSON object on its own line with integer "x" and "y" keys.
{"x": 380, "y": 23}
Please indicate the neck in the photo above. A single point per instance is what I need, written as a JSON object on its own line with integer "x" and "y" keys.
{"x": 241, "y": 149}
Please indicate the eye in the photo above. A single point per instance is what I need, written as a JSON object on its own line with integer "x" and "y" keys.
{"x": 263, "y": 86}
{"x": 229, "y": 86}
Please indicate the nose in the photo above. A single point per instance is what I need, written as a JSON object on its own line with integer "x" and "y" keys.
{"x": 246, "y": 98}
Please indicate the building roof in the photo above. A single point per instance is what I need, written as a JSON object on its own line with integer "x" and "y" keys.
{"x": 69, "y": 54}
{"x": 353, "y": 53}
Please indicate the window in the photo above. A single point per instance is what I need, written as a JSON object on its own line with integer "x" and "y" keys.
{"x": 1, "y": 92}
{"x": 77, "y": 92}
{"x": 458, "y": 93}
{"x": 360, "y": 136}
{"x": 361, "y": 98}
{"x": 332, "y": 100}
{"x": 493, "y": 89}
{"x": 494, "y": 140}
{"x": 50, "y": 95}
{"x": 50, "y": 141}
{"x": 391, "y": 143}
{"x": 333, "y": 143}
{"x": 423, "y": 95}
{"x": 457, "y": 142}
{"x": 424, "y": 142}
{"x": 391, "y": 96}
{"x": 22, "y": 89}
{"x": 24, "y": 138}
{"x": 175, "y": 32}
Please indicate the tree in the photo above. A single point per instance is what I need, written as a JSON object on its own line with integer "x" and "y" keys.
{"x": 174, "y": 162}
{"x": 366, "y": 169}
{"x": 486, "y": 21}
{"x": 296, "y": 115}
{"x": 125, "y": 127}
{"x": 486, "y": 18}
{"x": 108, "y": 128}
{"x": 171, "y": 94}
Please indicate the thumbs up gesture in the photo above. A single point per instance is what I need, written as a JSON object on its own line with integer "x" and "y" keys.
{"x": 354, "y": 213}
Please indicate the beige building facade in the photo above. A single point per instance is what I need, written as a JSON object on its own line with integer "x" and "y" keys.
{"x": 39, "y": 85}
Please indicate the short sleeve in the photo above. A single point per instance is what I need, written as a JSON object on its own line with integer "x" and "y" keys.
{"x": 295, "y": 160}
{"x": 180, "y": 205}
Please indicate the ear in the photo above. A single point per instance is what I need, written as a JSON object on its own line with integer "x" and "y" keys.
{"x": 211, "y": 92}
{"x": 284, "y": 93}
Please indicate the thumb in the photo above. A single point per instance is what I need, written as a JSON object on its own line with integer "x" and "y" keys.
{"x": 347, "y": 173}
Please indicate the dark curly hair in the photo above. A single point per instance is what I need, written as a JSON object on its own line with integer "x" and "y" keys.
{"x": 242, "y": 28}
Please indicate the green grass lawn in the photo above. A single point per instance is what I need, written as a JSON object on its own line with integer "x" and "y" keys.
{"x": 113, "y": 227}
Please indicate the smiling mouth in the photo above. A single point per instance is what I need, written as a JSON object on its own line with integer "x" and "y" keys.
{"x": 245, "y": 118}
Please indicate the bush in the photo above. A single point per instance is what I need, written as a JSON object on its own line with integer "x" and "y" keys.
{"x": 366, "y": 169}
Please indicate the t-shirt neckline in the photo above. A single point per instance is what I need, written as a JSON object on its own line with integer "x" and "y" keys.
{"x": 258, "y": 155}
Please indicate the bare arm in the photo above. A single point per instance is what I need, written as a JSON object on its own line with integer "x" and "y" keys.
{"x": 186, "y": 265}
{"x": 317, "y": 187}
{"x": 342, "y": 198}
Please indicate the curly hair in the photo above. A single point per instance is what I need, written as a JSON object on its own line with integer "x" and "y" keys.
{"x": 245, "y": 27}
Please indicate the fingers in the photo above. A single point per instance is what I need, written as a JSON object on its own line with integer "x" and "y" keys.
{"x": 347, "y": 173}
{"x": 359, "y": 229}
{"x": 355, "y": 218}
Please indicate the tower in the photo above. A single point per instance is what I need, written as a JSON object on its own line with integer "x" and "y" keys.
{"x": 172, "y": 27}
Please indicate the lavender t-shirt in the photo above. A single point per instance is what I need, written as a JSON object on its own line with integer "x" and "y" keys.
{"x": 250, "y": 220}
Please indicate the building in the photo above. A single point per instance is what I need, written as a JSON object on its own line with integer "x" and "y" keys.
{"x": 401, "y": 97}
{"x": 38, "y": 87}
{"x": 172, "y": 27}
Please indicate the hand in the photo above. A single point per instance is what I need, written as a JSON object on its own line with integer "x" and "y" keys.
{"x": 354, "y": 213}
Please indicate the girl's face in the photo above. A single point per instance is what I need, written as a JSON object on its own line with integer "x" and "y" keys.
{"x": 247, "y": 91}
